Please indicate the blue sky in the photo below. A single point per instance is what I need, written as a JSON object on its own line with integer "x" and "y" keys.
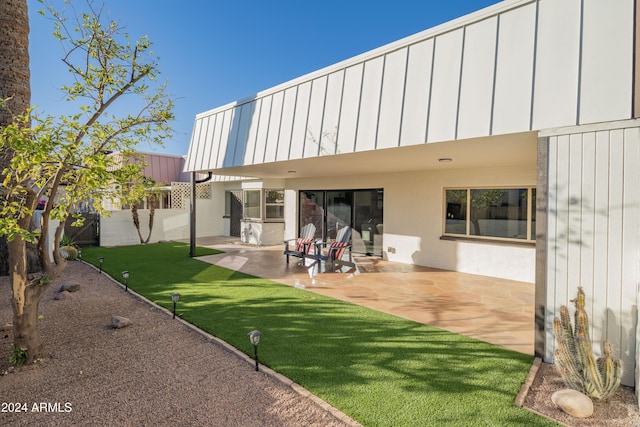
{"x": 215, "y": 52}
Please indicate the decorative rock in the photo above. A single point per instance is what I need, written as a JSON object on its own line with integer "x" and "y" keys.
{"x": 119, "y": 322}
{"x": 573, "y": 403}
{"x": 8, "y": 327}
{"x": 70, "y": 287}
{"x": 63, "y": 295}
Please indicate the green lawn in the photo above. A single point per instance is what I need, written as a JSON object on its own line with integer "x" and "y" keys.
{"x": 380, "y": 369}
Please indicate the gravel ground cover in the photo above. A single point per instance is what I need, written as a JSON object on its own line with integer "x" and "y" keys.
{"x": 154, "y": 372}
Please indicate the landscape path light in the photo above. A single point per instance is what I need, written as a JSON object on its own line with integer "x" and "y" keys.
{"x": 100, "y": 260}
{"x": 125, "y": 276}
{"x": 175, "y": 296}
{"x": 254, "y": 337}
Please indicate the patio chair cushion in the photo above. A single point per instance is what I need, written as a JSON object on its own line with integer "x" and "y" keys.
{"x": 335, "y": 249}
{"x": 303, "y": 243}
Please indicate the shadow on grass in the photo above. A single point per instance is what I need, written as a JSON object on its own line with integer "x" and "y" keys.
{"x": 378, "y": 368}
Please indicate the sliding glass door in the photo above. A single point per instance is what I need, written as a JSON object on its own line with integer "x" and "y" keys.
{"x": 311, "y": 211}
{"x": 339, "y": 211}
{"x": 367, "y": 221}
{"x": 330, "y": 210}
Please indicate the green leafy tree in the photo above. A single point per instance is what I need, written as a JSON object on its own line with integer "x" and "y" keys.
{"x": 65, "y": 159}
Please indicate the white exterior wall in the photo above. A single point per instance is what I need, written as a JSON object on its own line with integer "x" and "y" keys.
{"x": 210, "y": 215}
{"x": 413, "y": 212}
{"x": 415, "y": 232}
{"x": 51, "y": 236}
{"x": 593, "y": 218}
{"x": 517, "y": 66}
{"x": 168, "y": 224}
{"x": 291, "y": 225}
{"x": 261, "y": 233}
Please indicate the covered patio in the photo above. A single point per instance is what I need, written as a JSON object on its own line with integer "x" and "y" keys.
{"x": 490, "y": 309}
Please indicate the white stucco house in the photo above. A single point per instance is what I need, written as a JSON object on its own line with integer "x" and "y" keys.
{"x": 503, "y": 143}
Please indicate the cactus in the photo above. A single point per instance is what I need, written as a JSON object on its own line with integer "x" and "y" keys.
{"x": 69, "y": 252}
{"x": 580, "y": 370}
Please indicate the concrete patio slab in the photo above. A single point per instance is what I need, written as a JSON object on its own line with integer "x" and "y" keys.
{"x": 490, "y": 309}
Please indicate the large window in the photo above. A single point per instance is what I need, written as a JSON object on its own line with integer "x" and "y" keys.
{"x": 274, "y": 204}
{"x": 264, "y": 204}
{"x": 252, "y": 204}
{"x": 491, "y": 213}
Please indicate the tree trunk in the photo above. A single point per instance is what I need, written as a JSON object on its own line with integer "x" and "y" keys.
{"x": 26, "y": 293}
{"x": 15, "y": 78}
{"x": 4, "y": 256}
{"x": 26, "y": 333}
{"x": 476, "y": 227}
{"x": 136, "y": 221}
{"x": 152, "y": 212}
{"x": 15, "y": 81}
{"x": 15, "y": 84}
{"x": 33, "y": 263}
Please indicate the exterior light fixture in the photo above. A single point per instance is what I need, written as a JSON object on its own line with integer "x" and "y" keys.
{"x": 80, "y": 253}
{"x": 101, "y": 260}
{"x": 254, "y": 337}
{"x": 175, "y": 296}
{"x": 125, "y": 276}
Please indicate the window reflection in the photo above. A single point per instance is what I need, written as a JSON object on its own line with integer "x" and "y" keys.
{"x": 490, "y": 212}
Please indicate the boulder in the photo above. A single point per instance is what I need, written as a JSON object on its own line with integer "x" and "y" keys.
{"x": 573, "y": 403}
{"x": 63, "y": 295}
{"x": 70, "y": 287}
{"x": 119, "y": 322}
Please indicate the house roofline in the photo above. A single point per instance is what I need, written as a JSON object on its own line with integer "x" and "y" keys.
{"x": 446, "y": 27}
{"x": 592, "y": 127}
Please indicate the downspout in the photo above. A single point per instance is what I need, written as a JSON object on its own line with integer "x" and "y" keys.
{"x": 192, "y": 213}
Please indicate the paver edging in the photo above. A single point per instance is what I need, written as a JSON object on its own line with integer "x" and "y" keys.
{"x": 526, "y": 386}
{"x": 524, "y": 389}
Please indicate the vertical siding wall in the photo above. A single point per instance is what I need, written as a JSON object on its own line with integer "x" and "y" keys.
{"x": 593, "y": 219}
{"x": 512, "y": 67}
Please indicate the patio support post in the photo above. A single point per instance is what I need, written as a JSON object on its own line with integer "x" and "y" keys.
{"x": 192, "y": 213}
{"x": 192, "y": 217}
{"x": 541, "y": 313}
